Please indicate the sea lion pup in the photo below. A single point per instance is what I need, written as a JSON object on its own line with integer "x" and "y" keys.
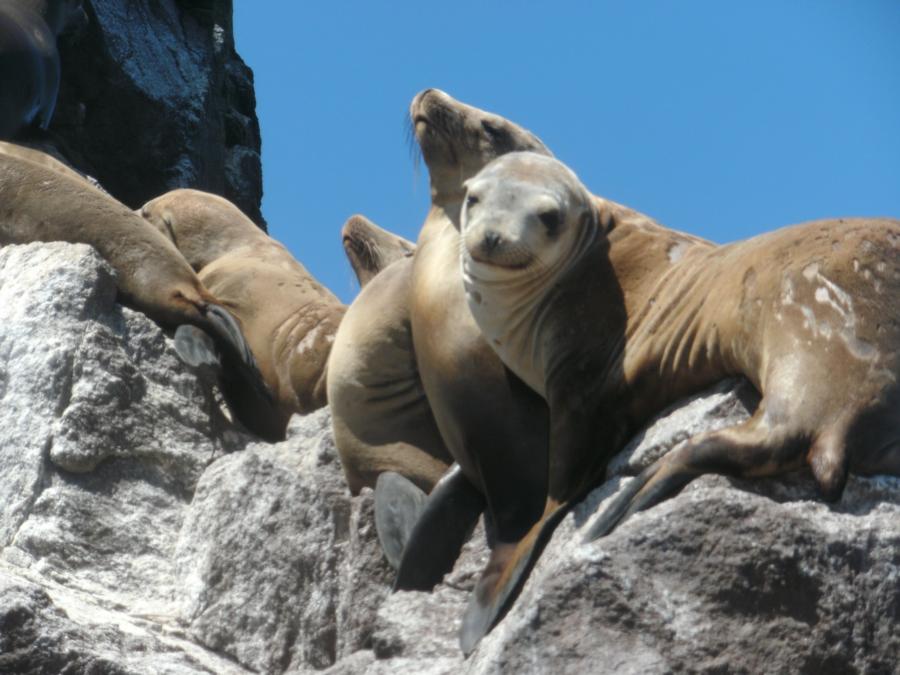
{"x": 29, "y": 60}
{"x": 44, "y": 202}
{"x": 289, "y": 318}
{"x": 809, "y": 314}
{"x": 370, "y": 248}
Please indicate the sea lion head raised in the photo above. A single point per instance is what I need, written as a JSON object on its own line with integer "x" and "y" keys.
{"x": 457, "y": 140}
{"x": 370, "y": 248}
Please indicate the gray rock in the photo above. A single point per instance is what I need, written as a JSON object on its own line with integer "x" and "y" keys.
{"x": 718, "y": 579}
{"x": 142, "y": 532}
{"x": 120, "y": 482}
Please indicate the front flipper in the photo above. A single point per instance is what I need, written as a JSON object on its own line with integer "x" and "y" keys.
{"x": 229, "y": 331}
{"x": 398, "y": 505}
{"x": 196, "y": 348}
{"x": 242, "y": 383}
{"x": 503, "y": 577}
{"x": 449, "y": 516}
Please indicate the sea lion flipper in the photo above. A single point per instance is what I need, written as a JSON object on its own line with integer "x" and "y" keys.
{"x": 229, "y": 329}
{"x": 751, "y": 449}
{"x": 398, "y": 505}
{"x": 195, "y": 347}
{"x": 503, "y": 578}
{"x": 243, "y": 367}
{"x": 433, "y": 545}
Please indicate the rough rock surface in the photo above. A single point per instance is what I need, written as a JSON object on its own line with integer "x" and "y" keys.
{"x": 142, "y": 532}
{"x": 154, "y": 97}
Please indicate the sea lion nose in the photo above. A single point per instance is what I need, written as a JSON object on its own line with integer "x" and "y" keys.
{"x": 490, "y": 241}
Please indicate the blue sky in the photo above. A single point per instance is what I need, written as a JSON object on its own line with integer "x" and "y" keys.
{"x": 722, "y": 119}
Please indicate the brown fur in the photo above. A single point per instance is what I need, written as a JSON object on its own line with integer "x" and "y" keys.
{"x": 370, "y": 248}
{"x": 43, "y": 202}
{"x": 809, "y": 314}
{"x": 289, "y": 318}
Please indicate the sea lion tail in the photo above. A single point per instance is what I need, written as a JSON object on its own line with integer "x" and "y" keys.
{"x": 505, "y": 575}
{"x": 443, "y": 526}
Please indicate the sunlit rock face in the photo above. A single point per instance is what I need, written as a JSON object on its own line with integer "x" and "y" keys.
{"x": 154, "y": 96}
{"x": 143, "y": 532}
{"x": 139, "y": 526}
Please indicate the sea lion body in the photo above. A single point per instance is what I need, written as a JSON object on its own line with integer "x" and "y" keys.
{"x": 45, "y": 160}
{"x": 481, "y": 411}
{"x": 381, "y": 418}
{"x": 29, "y": 61}
{"x": 809, "y": 314}
{"x": 40, "y": 203}
{"x": 289, "y": 318}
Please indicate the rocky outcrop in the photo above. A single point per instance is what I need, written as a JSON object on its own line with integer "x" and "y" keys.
{"x": 154, "y": 97}
{"x": 143, "y": 532}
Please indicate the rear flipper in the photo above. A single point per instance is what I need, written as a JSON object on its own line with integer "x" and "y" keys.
{"x": 450, "y": 514}
{"x": 398, "y": 505}
{"x": 505, "y": 574}
{"x": 749, "y": 450}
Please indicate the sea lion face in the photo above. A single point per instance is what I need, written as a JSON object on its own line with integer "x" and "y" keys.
{"x": 370, "y": 248}
{"x": 523, "y": 213}
{"x": 457, "y": 140}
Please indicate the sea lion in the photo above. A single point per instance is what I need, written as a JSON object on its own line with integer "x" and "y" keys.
{"x": 289, "y": 318}
{"x": 45, "y": 160}
{"x": 562, "y": 290}
{"x": 40, "y": 201}
{"x": 383, "y": 427}
{"x": 380, "y": 416}
{"x": 370, "y": 248}
{"x": 29, "y": 60}
{"x": 494, "y": 425}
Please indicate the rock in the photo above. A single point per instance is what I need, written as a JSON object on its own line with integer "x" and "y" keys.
{"x": 124, "y": 483}
{"x": 142, "y": 532}
{"x": 154, "y": 97}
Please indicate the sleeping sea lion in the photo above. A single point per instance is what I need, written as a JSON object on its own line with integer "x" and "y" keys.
{"x": 370, "y": 248}
{"x": 289, "y": 318}
{"x": 40, "y": 201}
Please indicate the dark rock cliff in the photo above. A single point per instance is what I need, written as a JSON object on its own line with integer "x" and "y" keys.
{"x": 154, "y": 97}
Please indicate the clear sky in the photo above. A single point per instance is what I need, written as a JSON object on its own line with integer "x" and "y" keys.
{"x": 723, "y": 119}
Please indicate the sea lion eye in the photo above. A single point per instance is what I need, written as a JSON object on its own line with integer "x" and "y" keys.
{"x": 550, "y": 220}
